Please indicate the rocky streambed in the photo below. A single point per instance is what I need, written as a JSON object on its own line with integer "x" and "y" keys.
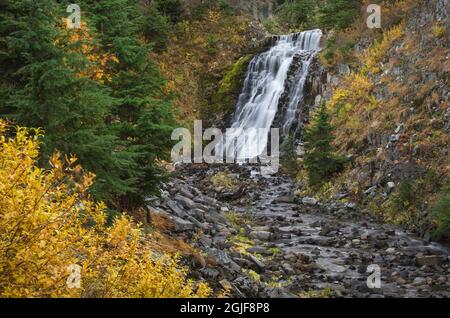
{"x": 257, "y": 239}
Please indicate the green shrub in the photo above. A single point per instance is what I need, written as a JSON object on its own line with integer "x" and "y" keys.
{"x": 328, "y": 52}
{"x": 334, "y": 51}
{"x": 212, "y": 44}
{"x": 441, "y": 214}
{"x": 222, "y": 179}
{"x": 405, "y": 197}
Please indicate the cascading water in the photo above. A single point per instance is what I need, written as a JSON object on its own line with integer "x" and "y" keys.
{"x": 264, "y": 84}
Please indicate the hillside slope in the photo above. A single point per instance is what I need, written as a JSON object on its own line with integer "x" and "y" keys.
{"x": 202, "y": 53}
{"x": 388, "y": 93}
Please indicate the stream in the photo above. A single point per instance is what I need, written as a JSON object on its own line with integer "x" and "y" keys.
{"x": 290, "y": 246}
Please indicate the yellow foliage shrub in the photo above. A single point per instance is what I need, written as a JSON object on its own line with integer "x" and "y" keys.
{"x": 222, "y": 179}
{"x": 375, "y": 54}
{"x": 54, "y": 241}
{"x": 353, "y": 102}
{"x": 355, "y": 88}
{"x": 439, "y": 31}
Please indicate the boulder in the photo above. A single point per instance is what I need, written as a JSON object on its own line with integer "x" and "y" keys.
{"x": 391, "y": 185}
{"x": 351, "y": 205}
{"x": 309, "y": 201}
{"x": 185, "y": 202}
{"x": 176, "y": 208}
{"x": 259, "y": 250}
{"x": 287, "y": 268}
{"x": 185, "y": 192}
{"x": 261, "y": 235}
{"x": 259, "y": 264}
{"x": 279, "y": 292}
{"x": 429, "y": 260}
{"x": 182, "y": 225}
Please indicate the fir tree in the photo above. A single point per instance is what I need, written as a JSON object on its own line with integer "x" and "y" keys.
{"x": 338, "y": 14}
{"x": 156, "y": 27}
{"x": 320, "y": 158}
{"x": 171, "y": 9}
{"x": 298, "y": 13}
{"x": 143, "y": 117}
{"x": 44, "y": 86}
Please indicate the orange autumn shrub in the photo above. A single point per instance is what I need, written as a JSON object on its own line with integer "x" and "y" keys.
{"x": 54, "y": 240}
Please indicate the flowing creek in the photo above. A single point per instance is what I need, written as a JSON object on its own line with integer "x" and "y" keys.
{"x": 291, "y": 246}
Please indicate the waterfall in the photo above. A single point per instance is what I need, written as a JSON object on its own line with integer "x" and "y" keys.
{"x": 264, "y": 83}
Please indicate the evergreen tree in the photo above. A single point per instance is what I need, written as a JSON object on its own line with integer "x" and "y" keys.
{"x": 338, "y": 14}
{"x": 298, "y": 13}
{"x": 44, "y": 86}
{"x": 320, "y": 158}
{"x": 325, "y": 14}
{"x": 169, "y": 8}
{"x": 156, "y": 27}
{"x": 143, "y": 117}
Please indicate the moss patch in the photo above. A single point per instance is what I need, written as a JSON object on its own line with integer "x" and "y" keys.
{"x": 230, "y": 86}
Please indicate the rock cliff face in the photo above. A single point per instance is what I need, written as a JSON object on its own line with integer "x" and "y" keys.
{"x": 314, "y": 90}
{"x": 397, "y": 130}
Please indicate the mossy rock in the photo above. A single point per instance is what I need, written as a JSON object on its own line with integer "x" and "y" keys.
{"x": 230, "y": 87}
